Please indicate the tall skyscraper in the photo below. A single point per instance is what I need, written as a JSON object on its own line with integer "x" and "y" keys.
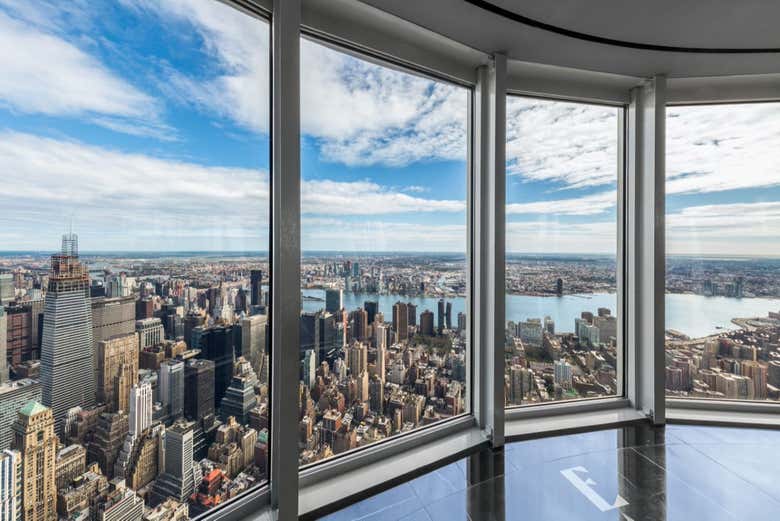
{"x": 426, "y": 323}
{"x": 360, "y": 324}
{"x": 333, "y": 300}
{"x": 218, "y": 345}
{"x": 448, "y": 315}
{"x": 400, "y": 321}
{"x": 34, "y": 438}
{"x": 111, "y": 317}
{"x": 440, "y": 316}
{"x": 140, "y": 408}
{"x": 10, "y": 485}
{"x": 172, "y": 387}
{"x": 411, "y": 312}
{"x": 309, "y": 368}
{"x": 3, "y": 345}
{"x": 372, "y": 308}
{"x": 6, "y": 288}
{"x": 198, "y": 389}
{"x": 256, "y": 281}
{"x": 240, "y": 396}
{"x": 178, "y": 479}
{"x": 117, "y": 370}
{"x": 254, "y": 339}
{"x": 67, "y": 358}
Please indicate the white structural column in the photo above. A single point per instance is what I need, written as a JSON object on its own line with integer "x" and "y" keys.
{"x": 489, "y": 148}
{"x": 646, "y": 247}
{"x": 286, "y": 256}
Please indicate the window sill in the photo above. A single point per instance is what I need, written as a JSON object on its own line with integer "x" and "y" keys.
{"x": 576, "y": 419}
{"x": 732, "y": 414}
{"x": 342, "y": 488}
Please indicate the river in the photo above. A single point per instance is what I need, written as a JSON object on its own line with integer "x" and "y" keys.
{"x": 693, "y": 315}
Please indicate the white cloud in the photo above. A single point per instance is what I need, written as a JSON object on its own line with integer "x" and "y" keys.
{"x": 127, "y": 201}
{"x": 586, "y": 205}
{"x": 722, "y": 147}
{"x": 551, "y": 236}
{"x": 738, "y": 228}
{"x": 357, "y": 112}
{"x": 237, "y": 84}
{"x": 326, "y": 197}
{"x": 44, "y": 74}
{"x": 337, "y": 234}
{"x": 569, "y": 143}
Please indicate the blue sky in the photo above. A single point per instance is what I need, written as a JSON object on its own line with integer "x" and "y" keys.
{"x": 146, "y": 122}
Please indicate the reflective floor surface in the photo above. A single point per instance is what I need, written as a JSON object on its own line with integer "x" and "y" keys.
{"x": 634, "y": 473}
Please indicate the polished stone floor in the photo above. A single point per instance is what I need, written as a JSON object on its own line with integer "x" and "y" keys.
{"x": 679, "y": 472}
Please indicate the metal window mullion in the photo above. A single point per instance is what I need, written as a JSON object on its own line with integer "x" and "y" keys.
{"x": 489, "y": 240}
{"x": 645, "y": 238}
{"x": 286, "y": 256}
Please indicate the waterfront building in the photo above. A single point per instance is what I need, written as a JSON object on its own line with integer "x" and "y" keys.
{"x": 333, "y": 300}
{"x": 400, "y": 321}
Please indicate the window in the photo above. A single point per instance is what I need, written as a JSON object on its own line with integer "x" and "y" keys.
{"x": 134, "y": 146}
{"x": 562, "y": 251}
{"x": 384, "y": 347}
{"x": 722, "y": 230}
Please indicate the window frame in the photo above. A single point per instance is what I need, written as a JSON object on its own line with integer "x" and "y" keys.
{"x": 315, "y": 472}
{"x": 618, "y": 400}
{"x": 725, "y": 405}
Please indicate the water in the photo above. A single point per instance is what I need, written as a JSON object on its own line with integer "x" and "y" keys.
{"x": 694, "y": 315}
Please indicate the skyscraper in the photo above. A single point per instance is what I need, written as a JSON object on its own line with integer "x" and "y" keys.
{"x": 333, "y": 300}
{"x": 372, "y": 308}
{"x": 6, "y": 288}
{"x": 13, "y": 396}
{"x": 256, "y": 280}
{"x": 199, "y": 389}
{"x": 400, "y": 321}
{"x": 10, "y": 485}
{"x": 140, "y": 408}
{"x": 3, "y": 345}
{"x": 218, "y": 345}
{"x": 67, "y": 372}
{"x": 440, "y": 316}
{"x": 240, "y": 396}
{"x": 117, "y": 370}
{"x": 426, "y": 323}
{"x": 34, "y": 438}
{"x": 172, "y": 387}
{"x": 177, "y": 481}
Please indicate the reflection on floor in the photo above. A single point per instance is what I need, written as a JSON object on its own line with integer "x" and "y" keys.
{"x": 634, "y": 473}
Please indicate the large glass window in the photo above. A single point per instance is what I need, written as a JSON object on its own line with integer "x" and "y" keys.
{"x": 722, "y": 266}
{"x": 384, "y": 347}
{"x": 134, "y": 264}
{"x": 561, "y": 251}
